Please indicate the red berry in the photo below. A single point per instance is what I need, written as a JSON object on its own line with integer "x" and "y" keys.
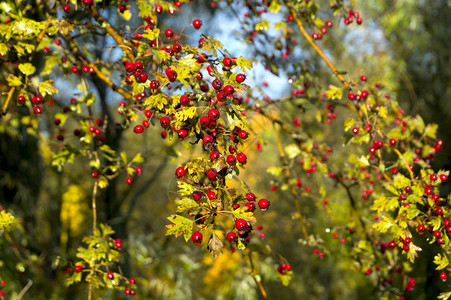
{"x": 231, "y": 237}
{"x": 263, "y": 204}
{"x": 129, "y": 180}
{"x": 231, "y": 160}
{"x": 132, "y": 281}
{"x": 66, "y": 8}
{"x": 169, "y": 33}
{"x": 241, "y": 157}
{"x": 421, "y": 228}
{"x": 78, "y": 269}
{"x": 214, "y": 155}
{"x": 138, "y": 129}
{"x": 180, "y": 172}
{"x": 184, "y": 100}
{"x": 211, "y": 195}
{"x": 242, "y": 134}
{"x": 443, "y": 177}
{"x": 363, "y": 78}
{"x": 197, "y": 238}
{"x": 240, "y": 224}
{"x": 355, "y": 130}
{"x": 443, "y": 276}
{"x": 250, "y": 197}
{"x": 329, "y": 24}
{"x": 213, "y": 114}
{"x": 164, "y": 121}
{"x": 110, "y": 275}
{"x": 240, "y": 78}
{"x": 182, "y": 133}
{"x": 197, "y": 23}
{"x": 197, "y": 195}
{"x": 212, "y": 173}
{"x": 74, "y": 69}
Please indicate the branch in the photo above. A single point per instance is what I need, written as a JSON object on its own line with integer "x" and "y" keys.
{"x": 116, "y": 36}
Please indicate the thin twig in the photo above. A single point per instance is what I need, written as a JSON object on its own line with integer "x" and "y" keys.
{"x": 260, "y": 286}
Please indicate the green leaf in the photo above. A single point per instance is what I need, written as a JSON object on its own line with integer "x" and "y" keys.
{"x": 400, "y": 181}
{"x": 3, "y": 49}
{"x": 334, "y": 92}
{"x": 383, "y": 225}
{"x": 159, "y": 101}
{"x": 181, "y": 225}
{"x": 348, "y": 123}
{"x": 274, "y": 7}
{"x": 274, "y": 171}
{"x": 138, "y": 159}
{"x": 243, "y": 63}
{"x": 431, "y": 130}
{"x": 442, "y": 262}
{"x": 13, "y": 80}
{"x": 7, "y": 220}
{"x": 27, "y": 69}
{"x": 292, "y": 151}
{"x": 47, "y": 88}
{"x": 102, "y": 182}
{"x": 186, "y": 204}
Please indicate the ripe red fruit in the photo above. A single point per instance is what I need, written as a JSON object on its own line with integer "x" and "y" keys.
{"x": 242, "y": 134}
{"x": 421, "y": 228}
{"x": 180, "y": 172}
{"x": 329, "y": 24}
{"x": 197, "y": 195}
{"x": 110, "y": 275}
{"x": 263, "y": 204}
{"x": 132, "y": 281}
{"x": 214, "y": 155}
{"x": 443, "y": 177}
{"x": 94, "y": 174}
{"x": 197, "y": 23}
{"x": 250, "y": 197}
{"x": 169, "y": 33}
{"x": 428, "y": 190}
{"x": 392, "y": 244}
{"x": 240, "y": 224}
{"x": 74, "y": 69}
{"x": 164, "y": 121}
{"x": 214, "y": 114}
{"x": 129, "y": 180}
{"x": 240, "y": 78}
{"x": 66, "y": 8}
{"x": 217, "y": 84}
{"x": 241, "y": 157}
{"x": 231, "y": 237}
{"x": 197, "y": 238}
{"x": 355, "y": 130}
{"x": 182, "y": 133}
{"x": 211, "y": 195}
{"x": 138, "y": 129}
{"x": 204, "y": 121}
{"x": 443, "y": 276}
{"x": 227, "y": 61}
{"x": 184, "y": 100}
{"x": 212, "y": 173}
{"x": 363, "y": 78}
{"x": 231, "y": 160}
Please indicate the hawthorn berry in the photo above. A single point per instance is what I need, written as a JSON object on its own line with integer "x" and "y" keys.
{"x": 240, "y": 78}
{"x": 197, "y": 23}
{"x": 214, "y": 155}
{"x": 355, "y": 130}
{"x": 263, "y": 204}
{"x": 164, "y": 121}
{"x": 250, "y": 197}
{"x": 182, "y": 133}
{"x": 329, "y": 23}
{"x": 240, "y": 224}
{"x": 231, "y": 237}
{"x": 443, "y": 276}
{"x": 197, "y": 238}
{"x": 169, "y": 33}
{"x": 214, "y": 114}
{"x": 197, "y": 195}
{"x": 242, "y": 134}
{"x": 421, "y": 228}
{"x": 78, "y": 269}
{"x": 184, "y": 100}
{"x": 212, "y": 173}
{"x": 66, "y": 8}
{"x": 211, "y": 195}
{"x": 138, "y": 129}
{"x": 443, "y": 177}
{"x": 180, "y": 172}
{"x": 241, "y": 157}
{"x": 110, "y": 275}
{"x": 231, "y": 160}
{"x": 94, "y": 174}
{"x": 129, "y": 180}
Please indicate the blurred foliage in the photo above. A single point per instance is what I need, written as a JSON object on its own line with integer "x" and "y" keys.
{"x": 404, "y": 44}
